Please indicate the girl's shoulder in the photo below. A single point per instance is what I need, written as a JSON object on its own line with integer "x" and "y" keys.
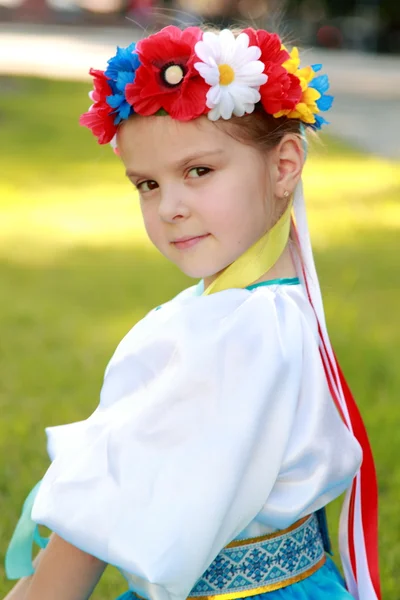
{"x": 291, "y": 288}
{"x": 191, "y": 301}
{"x": 190, "y": 304}
{"x": 273, "y": 284}
{"x": 276, "y": 296}
{"x": 191, "y": 320}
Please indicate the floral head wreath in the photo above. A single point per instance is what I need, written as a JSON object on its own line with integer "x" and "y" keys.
{"x": 188, "y": 73}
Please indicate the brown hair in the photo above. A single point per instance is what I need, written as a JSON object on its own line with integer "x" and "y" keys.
{"x": 260, "y": 129}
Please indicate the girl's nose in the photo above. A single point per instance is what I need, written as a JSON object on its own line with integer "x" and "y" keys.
{"x": 172, "y": 206}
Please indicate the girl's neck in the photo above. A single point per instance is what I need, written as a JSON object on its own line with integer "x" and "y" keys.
{"x": 284, "y": 268}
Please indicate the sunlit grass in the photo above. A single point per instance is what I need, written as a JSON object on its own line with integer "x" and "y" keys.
{"x": 77, "y": 272}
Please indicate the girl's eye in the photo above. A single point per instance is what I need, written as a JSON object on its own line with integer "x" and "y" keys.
{"x": 147, "y": 186}
{"x": 198, "y": 172}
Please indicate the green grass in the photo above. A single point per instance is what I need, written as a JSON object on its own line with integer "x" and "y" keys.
{"x": 77, "y": 272}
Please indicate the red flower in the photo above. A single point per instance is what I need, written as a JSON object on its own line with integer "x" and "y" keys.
{"x": 167, "y": 78}
{"x": 101, "y": 122}
{"x": 99, "y": 117}
{"x": 102, "y": 88}
{"x": 282, "y": 90}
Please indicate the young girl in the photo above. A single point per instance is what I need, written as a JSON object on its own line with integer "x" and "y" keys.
{"x": 225, "y": 425}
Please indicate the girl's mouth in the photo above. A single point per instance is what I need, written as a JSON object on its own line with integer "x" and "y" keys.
{"x": 188, "y": 242}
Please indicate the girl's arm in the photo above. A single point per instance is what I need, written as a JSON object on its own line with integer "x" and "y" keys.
{"x": 63, "y": 572}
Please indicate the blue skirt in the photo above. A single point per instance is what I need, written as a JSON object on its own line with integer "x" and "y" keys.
{"x": 325, "y": 584}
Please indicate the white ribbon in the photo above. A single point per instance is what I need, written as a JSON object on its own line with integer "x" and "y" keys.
{"x": 362, "y": 588}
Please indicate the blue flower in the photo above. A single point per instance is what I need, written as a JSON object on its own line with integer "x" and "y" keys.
{"x": 319, "y": 121}
{"x": 121, "y": 70}
{"x": 126, "y": 59}
{"x": 324, "y": 103}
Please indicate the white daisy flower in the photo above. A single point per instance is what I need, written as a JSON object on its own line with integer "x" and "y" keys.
{"x": 233, "y": 71}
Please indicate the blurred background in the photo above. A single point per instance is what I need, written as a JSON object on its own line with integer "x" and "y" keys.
{"x": 77, "y": 271}
{"x": 371, "y": 25}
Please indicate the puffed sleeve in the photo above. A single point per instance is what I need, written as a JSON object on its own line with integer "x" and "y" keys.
{"x": 196, "y": 415}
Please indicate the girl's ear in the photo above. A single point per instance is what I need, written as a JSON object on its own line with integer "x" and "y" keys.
{"x": 289, "y": 161}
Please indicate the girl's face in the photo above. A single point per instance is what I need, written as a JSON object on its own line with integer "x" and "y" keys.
{"x": 203, "y": 194}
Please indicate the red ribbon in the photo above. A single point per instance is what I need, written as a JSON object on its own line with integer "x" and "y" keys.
{"x": 369, "y": 486}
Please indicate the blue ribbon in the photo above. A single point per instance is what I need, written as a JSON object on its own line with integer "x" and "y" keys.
{"x": 18, "y": 561}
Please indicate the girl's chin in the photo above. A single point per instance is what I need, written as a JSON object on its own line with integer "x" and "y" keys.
{"x": 192, "y": 264}
{"x": 200, "y": 272}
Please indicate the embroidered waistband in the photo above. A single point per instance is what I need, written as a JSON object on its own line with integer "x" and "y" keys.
{"x": 255, "y": 566}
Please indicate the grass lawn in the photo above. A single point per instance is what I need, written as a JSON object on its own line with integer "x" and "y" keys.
{"x": 77, "y": 272}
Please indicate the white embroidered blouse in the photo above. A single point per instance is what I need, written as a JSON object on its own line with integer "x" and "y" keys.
{"x": 215, "y": 422}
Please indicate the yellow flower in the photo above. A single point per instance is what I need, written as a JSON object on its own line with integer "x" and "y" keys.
{"x": 293, "y": 63}
{"x": 307, "y": 107}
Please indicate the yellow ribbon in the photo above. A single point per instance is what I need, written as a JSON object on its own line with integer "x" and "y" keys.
{"x": 257, "y": 260}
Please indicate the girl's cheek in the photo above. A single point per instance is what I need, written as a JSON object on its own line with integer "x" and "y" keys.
{"x": 149, "y": 211}
{"x": 148, "y": 219}
{"x": 153, "y": 225}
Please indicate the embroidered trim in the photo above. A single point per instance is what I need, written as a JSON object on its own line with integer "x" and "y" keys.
{"x": 267, "y": 536}
{"x": 285, "y": 281}
{"x": 266, "y": 588}
{"x": 258, "y": 566}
